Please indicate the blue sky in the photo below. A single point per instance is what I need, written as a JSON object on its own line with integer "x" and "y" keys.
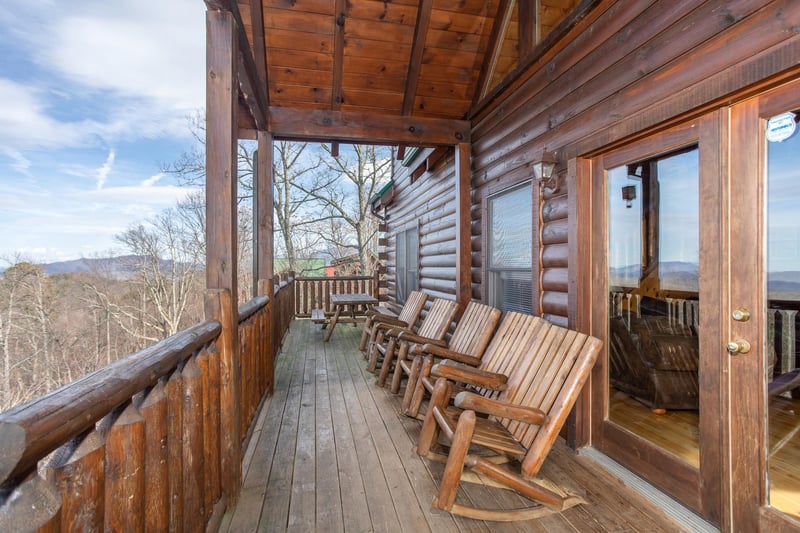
{"x": 94, "y": 97}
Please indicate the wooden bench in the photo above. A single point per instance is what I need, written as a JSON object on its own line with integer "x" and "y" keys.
{"x": 531, "y": 405}
{"x": 318, "y": 317}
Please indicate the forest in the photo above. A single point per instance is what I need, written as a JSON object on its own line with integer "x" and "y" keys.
{"x": 57, "y": 327}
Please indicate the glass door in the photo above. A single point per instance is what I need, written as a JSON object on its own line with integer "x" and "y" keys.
{"x": 656, "y": 393}
{"x": 765, "y": 300}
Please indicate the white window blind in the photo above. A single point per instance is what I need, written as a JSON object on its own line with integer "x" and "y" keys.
{"x": 510, "y": 250}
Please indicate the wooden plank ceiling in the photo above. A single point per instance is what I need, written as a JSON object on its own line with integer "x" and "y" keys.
{"x": 393, "y": 59}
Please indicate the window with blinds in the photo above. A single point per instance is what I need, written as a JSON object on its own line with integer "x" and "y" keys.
{"x": 510, "y": 257}
{"x": 407, "y": 248}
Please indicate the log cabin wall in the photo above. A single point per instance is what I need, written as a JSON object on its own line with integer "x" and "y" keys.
{"x": 427, "y": 202}
{"x": 628, "y": 68}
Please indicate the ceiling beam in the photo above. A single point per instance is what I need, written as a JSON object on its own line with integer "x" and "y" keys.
{"x": 527, "y": 26}
{"x": 365, "y": 128}
{"x": 254, "y": 93}
{"x": 417, "y": 53}
{"x": 340, "y": 16}
{"x": 493, "y": 50}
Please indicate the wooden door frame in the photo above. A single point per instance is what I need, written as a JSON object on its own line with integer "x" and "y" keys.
{"x": 633, "y": 452}
{"x": 748, "y": 232}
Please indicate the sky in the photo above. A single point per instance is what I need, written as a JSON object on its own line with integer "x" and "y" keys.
{"x": 94, "y": 100}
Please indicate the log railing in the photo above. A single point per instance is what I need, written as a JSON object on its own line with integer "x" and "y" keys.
{"x": 141, "y": 444}
{"x": 314, "y": 292}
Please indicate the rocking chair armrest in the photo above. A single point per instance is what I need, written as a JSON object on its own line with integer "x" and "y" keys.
{"x": 475, "y": 402}
{"x": 381, "y": 320}
{"x": 410, "y": 336}
{"x": 446, "y": 353}
{"x": 469, "y": 375}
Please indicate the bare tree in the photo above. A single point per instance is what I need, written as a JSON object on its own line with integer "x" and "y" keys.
{"x": 167, "y": 262}
{"x": 358, "y": 175}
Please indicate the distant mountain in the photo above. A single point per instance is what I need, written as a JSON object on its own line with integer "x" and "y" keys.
{"x": 121, "y": 267}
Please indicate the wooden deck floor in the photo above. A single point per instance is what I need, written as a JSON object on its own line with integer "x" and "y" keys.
{"x": 330, "y": 453}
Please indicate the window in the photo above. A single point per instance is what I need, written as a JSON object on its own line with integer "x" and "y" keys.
{"x": 407, "y": 248}
{"x": 510, "y": 257}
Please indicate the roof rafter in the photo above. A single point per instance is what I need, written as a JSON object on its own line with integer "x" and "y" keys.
{"x": 361, "y": 128}
{"x": 493, "y": 50}
{"x": 259, "y": 48}
{"x": 417, "y": 53}
{"x": 254, "y": 93}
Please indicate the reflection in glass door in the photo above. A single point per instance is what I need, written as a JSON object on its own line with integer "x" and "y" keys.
{"x": 653, "y": 265}
{"x": 782, "y": 306}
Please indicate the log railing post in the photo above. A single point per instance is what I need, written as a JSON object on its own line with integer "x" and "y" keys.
{"x": 125, "y": 482}
{"x": 218, "y": 304}
{"x": 265, "y": 288}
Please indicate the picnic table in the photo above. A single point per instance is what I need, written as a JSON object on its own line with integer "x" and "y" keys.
{"x": 341, "y": 302}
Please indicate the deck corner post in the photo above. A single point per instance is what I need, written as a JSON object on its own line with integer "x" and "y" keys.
{"x": 463, "y": 226}
{"x": 265, "y": 288}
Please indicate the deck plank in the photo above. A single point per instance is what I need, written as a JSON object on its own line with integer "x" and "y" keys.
{"x": 332, "y": 453}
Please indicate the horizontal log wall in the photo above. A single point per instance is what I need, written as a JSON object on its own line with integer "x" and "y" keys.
{"x": 430, "y": 204}
{"x": 627, "y": 68}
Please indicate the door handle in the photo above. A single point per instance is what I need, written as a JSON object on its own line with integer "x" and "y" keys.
{"x": 738, "y": 347}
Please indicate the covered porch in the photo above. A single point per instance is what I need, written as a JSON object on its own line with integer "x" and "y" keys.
{"x": 329, "y": 451}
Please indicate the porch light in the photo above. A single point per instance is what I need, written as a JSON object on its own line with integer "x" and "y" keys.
{"x": 543, "y": 170}
{"x": 629, "y": 195}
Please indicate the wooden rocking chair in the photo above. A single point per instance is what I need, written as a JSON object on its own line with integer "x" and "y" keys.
{"x": 523, "y": 422}
{"x": 434, "y": 326}
{"x": 507, "y": 345}
{"x": 469, "y": 340}
{"x": 408, "y": 316}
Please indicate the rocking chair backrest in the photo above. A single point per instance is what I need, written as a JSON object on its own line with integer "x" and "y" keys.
{"x": 557, "y": 364}
{"x": 438, "y": 320}
{"x": 413, "y": 307}
{"x": 474, "y": 329}
{"x": 509, "y": 344}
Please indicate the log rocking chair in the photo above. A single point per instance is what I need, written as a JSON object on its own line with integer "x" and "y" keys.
{"x": 407, "y": 317}
{"x": 435, "y": 326}
{"x": 522, "y": 425}
{"x": 469, "y": 340}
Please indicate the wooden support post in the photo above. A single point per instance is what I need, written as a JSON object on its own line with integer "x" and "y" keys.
{"x": 221, "y": 235}
{"x": 463, "y": 233}
{"x": 263, "y": 260}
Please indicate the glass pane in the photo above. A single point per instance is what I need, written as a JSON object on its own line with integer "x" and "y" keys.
{"x": 653, "y": 259}
{"x": 511, "y": 229}
{"x": 783, "y": 289}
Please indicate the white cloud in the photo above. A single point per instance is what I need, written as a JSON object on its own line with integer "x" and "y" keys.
{"x": 152, "y": 180}
{"x": 103, "y": 172}
{"x": 141, "y": 69}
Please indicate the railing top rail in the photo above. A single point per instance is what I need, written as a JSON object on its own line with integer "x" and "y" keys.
{"x": 333, "y": 278}
{"x": 248, "y": 309}
{"x": 30, "y": 431}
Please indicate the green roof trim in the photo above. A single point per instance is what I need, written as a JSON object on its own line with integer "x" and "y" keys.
{"x": 381, "y": 192}
{"x": 411, "y": 154}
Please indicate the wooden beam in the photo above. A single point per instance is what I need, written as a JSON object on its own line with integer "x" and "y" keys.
{"x": 350, "y": 127}
{"x": 417, "y": 52}
{"x": 527, "y": 26}
{"x": 221, "y": 230}
{"x": 340, "y": 16}
{"x": 463, "y": 225}
{"x": 254, "y": 93}
{"x": 493, "y": 50}
{"x": 259, "y": 45}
